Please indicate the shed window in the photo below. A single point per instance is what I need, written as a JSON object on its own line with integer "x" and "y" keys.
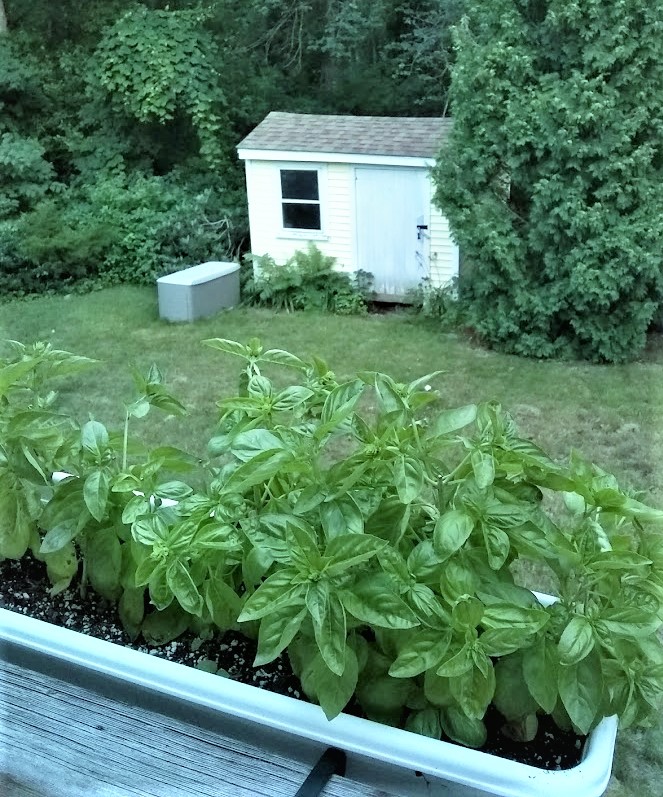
{"x": 301, "y": 199}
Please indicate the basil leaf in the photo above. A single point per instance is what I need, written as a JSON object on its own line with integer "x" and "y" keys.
{"x": 183, "y": 588}
{"x": 103, "y": 556}
{"x": 95, "y": 493}
{"x": 277, "y": 631}
{"x": 581, "y": 690}
{"x": 408, "y": 478}
{"x": 451, "y": 531}
{"x": 274, "y": 593}
{"x": 455, "y": 419}
{"x": 372, "y": 601}
{"x": 576, "y": 641}
{"x": 423, "y": 651}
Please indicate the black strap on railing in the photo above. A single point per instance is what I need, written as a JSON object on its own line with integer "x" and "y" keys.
{"x": 332, "y": 762}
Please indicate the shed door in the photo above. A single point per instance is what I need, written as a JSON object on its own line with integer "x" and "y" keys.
{"x": 392, "y": 217}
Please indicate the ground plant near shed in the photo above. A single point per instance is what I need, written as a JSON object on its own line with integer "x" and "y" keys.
{"x": 359, "y": 529}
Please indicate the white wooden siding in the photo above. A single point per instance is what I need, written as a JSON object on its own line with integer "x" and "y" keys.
{"x": 263, "y": 185}
{"x": 443, "y": 250}
{"x": 338, "y": 217}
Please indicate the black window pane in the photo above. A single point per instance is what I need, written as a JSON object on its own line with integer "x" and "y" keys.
{"x": 298, "y": 184}
{"x": 301, "y": 216}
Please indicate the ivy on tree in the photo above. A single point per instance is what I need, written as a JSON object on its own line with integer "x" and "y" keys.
{"x": 553, "y": 176}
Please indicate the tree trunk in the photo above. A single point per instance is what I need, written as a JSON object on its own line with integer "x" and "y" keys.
{"x": 3, "y": 19}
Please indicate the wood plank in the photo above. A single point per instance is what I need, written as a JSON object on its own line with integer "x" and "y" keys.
{"x": 60, "y": 740}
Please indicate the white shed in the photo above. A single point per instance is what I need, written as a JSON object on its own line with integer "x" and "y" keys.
{"x": 358, "y": 187}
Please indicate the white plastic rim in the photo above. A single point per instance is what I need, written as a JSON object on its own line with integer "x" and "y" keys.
{"x": 433, "y": 758}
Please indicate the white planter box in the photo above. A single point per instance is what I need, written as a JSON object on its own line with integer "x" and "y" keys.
{"x": 382, "y": 756}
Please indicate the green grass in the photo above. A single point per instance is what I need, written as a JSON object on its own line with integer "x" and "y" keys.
{"x": 613, "y": 414}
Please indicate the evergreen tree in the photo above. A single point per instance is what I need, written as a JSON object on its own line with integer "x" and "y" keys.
{"x": 553, "y": 176}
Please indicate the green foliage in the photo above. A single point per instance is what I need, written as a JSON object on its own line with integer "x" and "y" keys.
{"x": 25, "y": 175}
{"x": 155, "y": 64}
{"x": 440, "y": 304}
{"x": 370, "y": 539}
{"x": 551, "y": 173}
{"x": 306, "y": 281}
{"x": 117, "y": 230}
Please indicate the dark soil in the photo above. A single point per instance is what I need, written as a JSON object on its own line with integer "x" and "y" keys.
{"x": 24, "y": 589}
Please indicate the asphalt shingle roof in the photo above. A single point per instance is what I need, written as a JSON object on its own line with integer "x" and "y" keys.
{"x": 349, "y": 135}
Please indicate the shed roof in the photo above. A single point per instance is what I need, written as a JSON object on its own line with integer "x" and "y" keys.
{"x": 348, "y": 135}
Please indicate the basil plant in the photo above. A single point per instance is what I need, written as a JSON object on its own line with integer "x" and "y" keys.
{"x": 371, "y": 537}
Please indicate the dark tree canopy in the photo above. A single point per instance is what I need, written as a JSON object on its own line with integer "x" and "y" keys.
{"x": 119, "y": 120}
{"x": 553, "y": 177}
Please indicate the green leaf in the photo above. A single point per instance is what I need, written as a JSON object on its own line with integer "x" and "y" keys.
{"x": 330, "y": 634}
{"x": 58, "y": 537}
{"x": 94, "y": 439}
{"x": 291, "y": 397}
{"x": 131, "y": 610}
{"x": 529, "y": 620}
{"x": 348, "y": 550}
{"x": 455, "y": 419}
{"x": 501, "y": 641}
{"x": 162, "y": 627}
{"x": 228, "y": 346}
{"x": 497, "y": 545}
{"x": 308, "y": 499}
{"x": 95, "y": 493}
{"x": 247, "y": 444}
{"x": 576, "y": 642}
{"x": 456, "y": 662}
{"x": 461, "y": 728}
{"x": 183, "y": 588}
{"x": 12, "y": 374}
{"x": 103, "y": 559}
{"x": 223, "y": 603}
{"x": 629, "y": 622}
{"x": 277, "y": 631}
{"x": 467, "y": 613}
{"x": 408, "y": 478}
{"x": 581, "y": 691}
{"x": 372, "y": 601}
{"x": 423, "y": 651}
{"x": 274, "y": 593}
{"x": 15, "y": 527}
{"x": 281, "y": 357}
{"x": 333, "y": 690}
{"x": 451, "y": 531}
{"x": 255, "y": 564}
{"x": 474, "y": 691}
{"x": 425, "y": 722}
{"x": 483, "y": 466}
{"x": 260, "y": 468}
{"x": 174, "y": 490}
{"x": 61, "y": 565}
{"x": 341, "y": 402}
{"x": 511, "y": 698}
{"x": 339, "y": 517}
{"x": 540, "y": 673}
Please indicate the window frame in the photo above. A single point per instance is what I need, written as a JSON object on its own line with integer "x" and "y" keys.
{"x": 311, "y": 233}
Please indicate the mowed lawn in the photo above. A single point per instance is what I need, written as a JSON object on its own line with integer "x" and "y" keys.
{"x": 612, "y": 414}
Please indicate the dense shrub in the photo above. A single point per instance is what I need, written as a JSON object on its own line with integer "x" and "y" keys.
{"x": 553, "y": 175}
{"x": 438, "y": 303}
{"x": 307, "y": 281}
{"x": 117, "y": 231}
{"x": 25, "y": 176}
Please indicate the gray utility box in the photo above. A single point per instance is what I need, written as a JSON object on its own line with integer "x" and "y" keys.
{"x": 198, "y": 291}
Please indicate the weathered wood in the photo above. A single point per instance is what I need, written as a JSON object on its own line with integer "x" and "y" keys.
{"x": 60, "y": 740}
